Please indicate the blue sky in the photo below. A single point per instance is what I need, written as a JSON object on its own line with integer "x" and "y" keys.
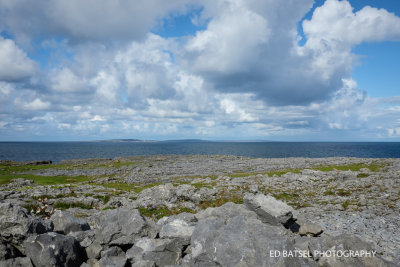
{"x": 299, "y": 70}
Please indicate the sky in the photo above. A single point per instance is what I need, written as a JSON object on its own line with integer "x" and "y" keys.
{"x": 295, "y": 70}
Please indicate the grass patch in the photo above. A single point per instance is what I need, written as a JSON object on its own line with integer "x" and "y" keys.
{"x": 362, "y": 175}
{"x": 374, "y": 167}
{"x": 343, "y": 193}
{"x": 72, "y": 194}
{"x": 279, "y": 173}
{"x": 200, "y": 185}
{"x": 157, "y": 212}
{"x": 139, "y": 189}
{"x": 105, "y": 199}
{"x": 43, "y": 180}
{"x": 223, "y": 197}
{"x": 118, "y": 186}
{"x": 67, "y": 205}
{"x": 285, "y": 196}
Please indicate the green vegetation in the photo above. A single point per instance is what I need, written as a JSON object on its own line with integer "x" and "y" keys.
{"x": 118, "y": 186}
{"x": 67, "y": 205}
{"x": 374, "y": 167}
{"x": 157, "y": 212}
{"x": 43, "y": 180}
{"x": 362, "y": 175}
{"x": 286, "y": 196}
{"x": 223, "y": 197}
{"x": 35, "y": 208}
{"x": 282, "y": 172}
{"x": 129, "y": 187}
{"x": 72, "y": 194}
{"x": 105, "y": 198}
{"x": 207, "y": 185}
{"x": 343, "y": 193}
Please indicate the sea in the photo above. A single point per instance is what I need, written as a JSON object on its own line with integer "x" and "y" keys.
{"x": 58, "y": 151}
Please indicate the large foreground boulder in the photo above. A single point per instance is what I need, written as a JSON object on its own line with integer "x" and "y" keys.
{"x": 120, "y": 226}
{"x": 16, "y": 224}
{"x": 53, "y": 249}
{"x": 239, "y": 241}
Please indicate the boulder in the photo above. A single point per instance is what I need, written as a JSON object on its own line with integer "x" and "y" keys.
{"x": 269, "y": 209}
{"x": 113, "y": 257}
{"x": 16, "y": 223}
{"x": 308, "y": 228}
{"x": 65, "y": 223}
{"x": 120, "y": 226}
{"x": 93, "y": 250}
{"x": 157, "y": 195}
{"x": 161, "y": 251}
{"x": 177, "y": 228}
{"x": 226, "y": 211}
{"x": 53, "y": 249}
{"x": 343, "y": 243}
{"x": 17, "y": 262}
{"x": 239, "y": 241}
{"x": 7, "y": 251}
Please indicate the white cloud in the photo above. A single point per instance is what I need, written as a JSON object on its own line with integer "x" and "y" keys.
{"x": 36, "y": 104}
{"x": 14, "y": 63}
{"x": 244, "y": 76}
{"x": 65, "y": 81}
{"x": 335, "y": 21}
{"x": 88, "y": 20}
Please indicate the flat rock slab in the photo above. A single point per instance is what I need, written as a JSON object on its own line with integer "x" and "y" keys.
{"x": 269, "y": 209}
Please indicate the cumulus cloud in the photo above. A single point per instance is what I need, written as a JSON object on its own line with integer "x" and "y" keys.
{"x": 243, "y": 76}
{"x": 14, "y": 63}
{"x": 87, "y": 20}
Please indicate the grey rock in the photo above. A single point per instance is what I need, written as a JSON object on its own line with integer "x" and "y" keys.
{"x": 7, "y": 251}
{"x": 53, "y": 249}
{"x": 239, "y": 241}
{"x": 92, "y": 263}
{"x": 114, "y": 261}
{"x": 112, "y": 251}
{"x": 177, "y": 229}
{"x": 17, "y": 262}
{"x": 161, "y": 251}
{"x": 309, "y": 228}
{"x": 93, "y": 251}
{"x": 143, "y": 263}
{"x": 343, "y": 243}
{"x": 16, "y": 223}
{"x": 269, "y": 209}
{"x": 157, "y": 195}
{"x": 85, "y": 238}
{"x": 120, "y": 226}
{"x": 226, "y": 211}
{"x": 65, "y": 223}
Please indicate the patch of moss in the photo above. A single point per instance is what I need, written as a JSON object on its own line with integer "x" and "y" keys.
{"x": 105, "y": 198}
{"x": 282, "y": 172}
{"x": 374, "y": 167}
{"x": 285, "y": 196}
{"x": 157, "y": 212}
{"x": 67, "y": 205}
{"x": 200, "y": 185}
{"x": 118, "y": 186}
{"x": 343, "y": 193}
{"x": 362, "y": 175}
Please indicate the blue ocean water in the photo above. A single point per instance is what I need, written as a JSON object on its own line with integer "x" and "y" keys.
{"x": 57, "y": 151}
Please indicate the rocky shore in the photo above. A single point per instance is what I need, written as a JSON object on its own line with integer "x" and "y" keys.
{"x": 200, "y": 211}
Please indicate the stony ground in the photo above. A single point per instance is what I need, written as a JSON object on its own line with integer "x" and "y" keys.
{"x": 358, "y": 197}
